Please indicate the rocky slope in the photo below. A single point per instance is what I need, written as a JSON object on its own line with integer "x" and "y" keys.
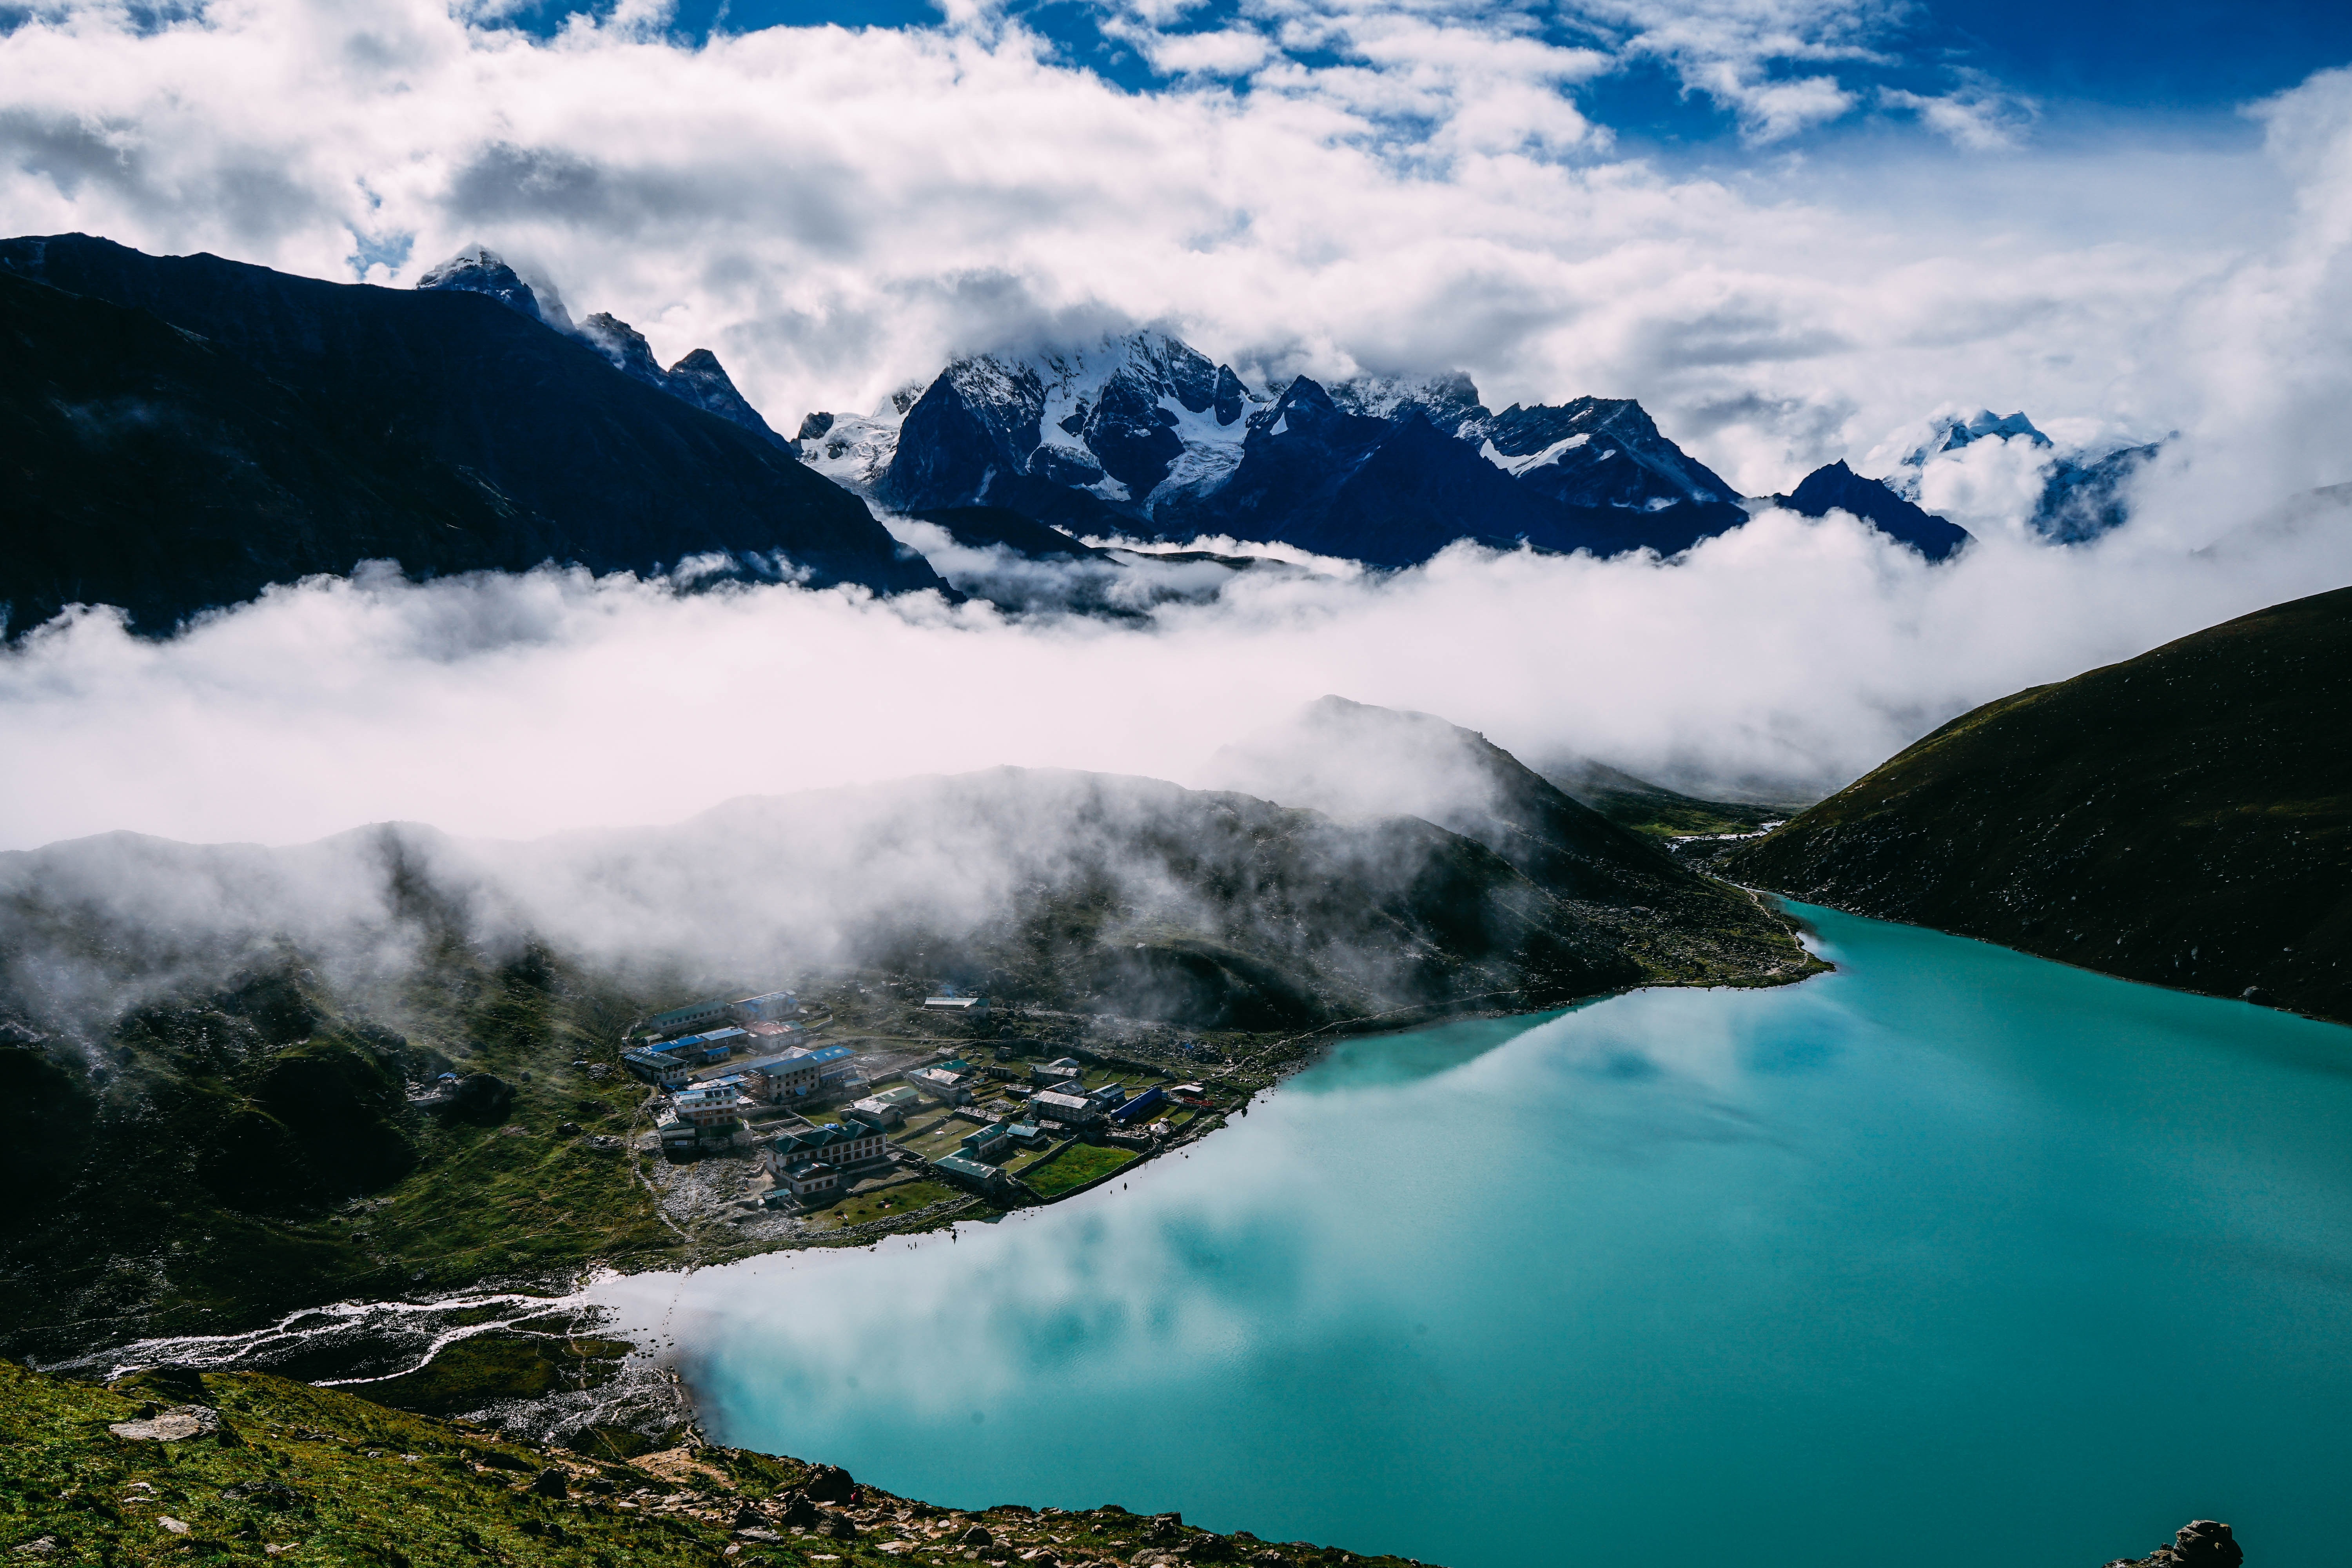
{"x": 2184, "y": 818}
{"x": 174, "y": 1466}
{"x": 185, "y": 430}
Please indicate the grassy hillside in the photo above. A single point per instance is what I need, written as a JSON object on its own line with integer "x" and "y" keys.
{"x": 297, "y": 1475}
{"x": 2183, "y": 818}
{"x": 247, "y": 1150}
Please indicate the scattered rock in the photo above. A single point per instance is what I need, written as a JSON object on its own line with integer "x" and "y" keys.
{"x": 550, "y": 1482}
{"x": 761, "y": 1533}
{"x": 177, "y": 1526}
{"x": 799, "y": 1513}
{"x": 977, "y": 1535}
{"x": 176, "y": 1424}
{"x": 40, "y": 1546}
{"x": 839, "y": 1526}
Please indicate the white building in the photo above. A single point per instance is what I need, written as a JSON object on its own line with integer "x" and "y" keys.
{"x": 709, "y": 1104}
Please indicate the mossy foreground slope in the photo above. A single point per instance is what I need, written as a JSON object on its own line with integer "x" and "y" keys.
{"x": 244, "y": 1468}
{"x": 2184, "y": 818}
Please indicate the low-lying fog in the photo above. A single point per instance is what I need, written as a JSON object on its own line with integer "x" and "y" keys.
{"x": 1787, "y": 657}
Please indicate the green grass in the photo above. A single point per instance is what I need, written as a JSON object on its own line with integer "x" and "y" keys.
{"x": 475, "y": 1372}
{"x": 257, "y": 1193}
{"x": 895, "y": 1201}
{"x": 336, "y": 1481}
{"x": 1079, "y": 1164}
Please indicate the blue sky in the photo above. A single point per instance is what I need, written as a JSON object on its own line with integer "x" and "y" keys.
{"x": 2077, "y": 64}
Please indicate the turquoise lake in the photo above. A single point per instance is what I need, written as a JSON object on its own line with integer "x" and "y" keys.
{"x": 1953, "y": 1256}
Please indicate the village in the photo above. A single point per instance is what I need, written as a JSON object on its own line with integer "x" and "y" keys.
{"x": 869, "y": 1130}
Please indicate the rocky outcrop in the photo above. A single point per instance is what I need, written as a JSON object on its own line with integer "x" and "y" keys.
{"x": 2200, "y": 1543}
{"x": 697, "y": 380}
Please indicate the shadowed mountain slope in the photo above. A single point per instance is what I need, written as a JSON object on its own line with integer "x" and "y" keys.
{"x": 252, "y": 427}
{"x": 2183, "y": 818}
{"x": 1359, "y": 762}
{"x": 1838, "y": 487}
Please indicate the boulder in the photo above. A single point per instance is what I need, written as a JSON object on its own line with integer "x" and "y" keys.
{"x": 479, "y": 1097}
{"x": 839, "y": 1526}
{"x": 829, "y": 1483}
{"x": 550, "y": 1482}
{"x": 977, "y": 1535}
{"x": 798, "y": 1514}
{"x": 176, "y": 1424}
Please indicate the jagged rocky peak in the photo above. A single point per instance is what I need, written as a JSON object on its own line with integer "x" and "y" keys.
{"x": 1120, "y": 419}
{"x": 1597, "y": 452}
{"x": 624, "y": 345}
{"x": 1949, "y": 433}
{"x": 478, "y": 269}
{"x": 2083, "y": 495}
{"x": 1836, "y": 488}
{"x": 698, "y": 379}
{"x": 1447, "y": 400}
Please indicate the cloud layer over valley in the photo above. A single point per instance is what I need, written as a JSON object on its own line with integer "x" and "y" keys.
{"x": 1790, "y": 654}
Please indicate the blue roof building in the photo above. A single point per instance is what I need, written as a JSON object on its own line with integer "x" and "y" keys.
{"x": 1141, "y": 1106}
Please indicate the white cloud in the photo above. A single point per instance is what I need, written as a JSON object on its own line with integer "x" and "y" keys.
{"x": 1739, "y": 53}
{"x": 1975, "y": 116}
{"x": 1789, "y": 650}
{"x": 835, "y": 211}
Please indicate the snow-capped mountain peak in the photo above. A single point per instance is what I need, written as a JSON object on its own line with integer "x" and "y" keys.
{"x": 478, "y": 269}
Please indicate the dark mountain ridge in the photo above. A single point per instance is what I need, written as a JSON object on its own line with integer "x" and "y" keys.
{"x": 185, "y": 430}
{"x": 1837, "y": 487}
{"x": 2183, "y": 818}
